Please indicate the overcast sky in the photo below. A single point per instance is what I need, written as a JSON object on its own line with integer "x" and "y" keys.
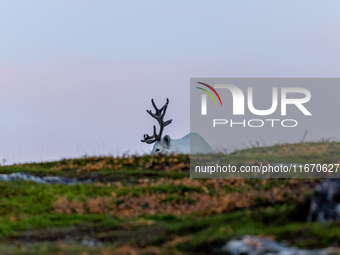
{"x": 77, "y": 76}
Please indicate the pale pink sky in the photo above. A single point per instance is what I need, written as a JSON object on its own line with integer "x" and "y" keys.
{"x": 76, "y": 77}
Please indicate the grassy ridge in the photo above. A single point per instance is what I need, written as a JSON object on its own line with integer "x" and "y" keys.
{"x": 149, "y": 205}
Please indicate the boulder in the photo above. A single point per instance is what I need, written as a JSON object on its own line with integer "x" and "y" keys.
{"x": 255, "y": 245}
{"x": 325, "y": 204}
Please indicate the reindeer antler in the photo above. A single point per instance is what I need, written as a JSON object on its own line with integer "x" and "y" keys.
{"x": 158, "y": 115}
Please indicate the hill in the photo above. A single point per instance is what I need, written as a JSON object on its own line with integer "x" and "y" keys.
{"x": 149, "y": 205}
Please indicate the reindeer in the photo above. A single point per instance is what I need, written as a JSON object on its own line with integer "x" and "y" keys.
{"x": 166, "y": 145}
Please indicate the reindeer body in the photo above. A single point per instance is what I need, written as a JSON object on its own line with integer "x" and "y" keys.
{"x": 166, "y": 145}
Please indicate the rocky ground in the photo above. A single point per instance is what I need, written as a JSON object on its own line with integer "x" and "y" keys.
{"x": 149, "y": 205}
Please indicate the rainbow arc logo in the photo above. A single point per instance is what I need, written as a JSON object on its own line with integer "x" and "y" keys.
{"x": 209, "y": 93}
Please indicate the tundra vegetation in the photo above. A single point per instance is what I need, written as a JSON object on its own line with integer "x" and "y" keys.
{"x": 149, "y": 205}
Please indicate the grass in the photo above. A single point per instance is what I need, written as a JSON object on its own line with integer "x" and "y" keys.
{"x": 149, "y": 205}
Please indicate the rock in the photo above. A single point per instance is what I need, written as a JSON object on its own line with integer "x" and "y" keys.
{"x": 332, "y": 250}
{"x": 254, "y": 245}
{"x": 60, "y": 180}
{"x": 30, "y": 177}
{"x": 91, "y": 242}
{"x": 20, "y": 176}
{"x": 325, "y": 204}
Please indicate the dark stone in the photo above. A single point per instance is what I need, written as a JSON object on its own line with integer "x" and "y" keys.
{"x": 325, "y": 204}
